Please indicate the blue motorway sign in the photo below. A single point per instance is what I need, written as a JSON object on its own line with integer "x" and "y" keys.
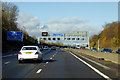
{"x": 55, "y": 35}
{"x": 15, "y": 35}
{"x": 75, "y": 42}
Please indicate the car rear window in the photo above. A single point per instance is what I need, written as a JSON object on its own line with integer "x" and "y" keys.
{"x": 106, "y": 49}
{"x": 29, "y": 48}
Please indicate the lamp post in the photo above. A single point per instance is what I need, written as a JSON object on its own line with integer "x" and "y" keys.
{"x": 98, "y": 45}
{"x": 38, "y": 40}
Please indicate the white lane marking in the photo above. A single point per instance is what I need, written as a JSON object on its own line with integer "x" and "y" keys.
{"x": 39, "y": 71}
{"x": 53, "y": 55}
{"x": 95, "y": 62}
{"x": 46, "y": 62}
{"x": 4, "y": 56}
{"x": 7, "y": 55}
{"x": 7, "y": 62}
{"x": 51, "y": 58}
{"x": 96, "y": 70}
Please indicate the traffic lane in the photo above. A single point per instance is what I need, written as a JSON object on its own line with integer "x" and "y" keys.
{"x": 38, "y": 68}
{"x": 16, "y": 70}
{"x": 64, "y": 65}
{"x": 13, "y": 55}
{"x": 6, "y": 54}
{"x": 9, "y": 53}
{"x": 13, "y": 59}
{"x": 9, "y": 56}
{"x": 10, "y": 70}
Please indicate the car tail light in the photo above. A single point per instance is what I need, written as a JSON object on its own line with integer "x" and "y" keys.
{"x": 20, "y": 53}
{"x": 36, "y": 53}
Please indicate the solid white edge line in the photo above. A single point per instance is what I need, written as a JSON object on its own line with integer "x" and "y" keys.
{"x": 96, "y": 70}
{"x": 39, "y": 71}
{"x": 94, "y": 62}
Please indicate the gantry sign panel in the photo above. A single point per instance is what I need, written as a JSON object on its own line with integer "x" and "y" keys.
{"x": 44, "y": 33}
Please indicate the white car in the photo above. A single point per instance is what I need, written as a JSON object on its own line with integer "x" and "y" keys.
{"x": 29, "y": 52}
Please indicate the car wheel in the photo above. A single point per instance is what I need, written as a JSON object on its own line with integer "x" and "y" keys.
{"x": 19, "y": 61}
{"x": 39, "y": 60}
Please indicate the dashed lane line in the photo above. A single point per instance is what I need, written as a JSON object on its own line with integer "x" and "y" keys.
{"x": 53, "y": 55}
{"x": 7, "y": 55}
{"x": 46, "y": 62}
{"x": 39, "y": 71}
{"x": 7, "y": 62}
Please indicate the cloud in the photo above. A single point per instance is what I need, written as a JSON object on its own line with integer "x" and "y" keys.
{"x": 73, "y": 20}
{"x": 53, "y": 20}
{"x": 30, "y": 22}
{"x": 43, "y": 27}
{"x": 69, "y": 28}
{"x": 66, "y": 20}
{"x": 54, "y": 25}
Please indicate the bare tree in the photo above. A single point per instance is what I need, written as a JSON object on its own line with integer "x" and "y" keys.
{"x": 9, "y": 16}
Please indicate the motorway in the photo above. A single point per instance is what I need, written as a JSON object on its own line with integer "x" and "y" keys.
{"x": 56, "y": 64}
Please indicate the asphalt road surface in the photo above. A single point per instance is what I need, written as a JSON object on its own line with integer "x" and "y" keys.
{"x": 56, "y": 64}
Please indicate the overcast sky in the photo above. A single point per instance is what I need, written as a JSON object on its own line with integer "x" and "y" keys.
{"x": 65, "y": 17}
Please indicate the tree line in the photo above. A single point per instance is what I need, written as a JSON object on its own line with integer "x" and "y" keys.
{"x": 108, "y": 38}
{"x": 9, "y": 23}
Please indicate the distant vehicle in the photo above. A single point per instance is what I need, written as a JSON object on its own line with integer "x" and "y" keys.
{"x": 29, "y": 52}
{"x": 118, "y": 51}
{"x": 94, "y": 49}
{"x": 53, "y": 48}
{"x": 77, "y": 46}
{"x": 46, "y": 47}
{"x": 82, "y": 48}
{"x": 107, "y": 50}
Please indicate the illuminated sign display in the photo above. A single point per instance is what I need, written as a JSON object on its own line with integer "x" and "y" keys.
{"x": 15, "y": 35}
{"x": 44, "y": 33}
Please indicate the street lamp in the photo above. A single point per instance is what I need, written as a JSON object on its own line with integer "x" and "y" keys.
{"x": 98, "y": 45}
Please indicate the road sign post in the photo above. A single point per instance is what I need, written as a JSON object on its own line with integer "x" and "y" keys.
{"x": 98, "y": 45}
